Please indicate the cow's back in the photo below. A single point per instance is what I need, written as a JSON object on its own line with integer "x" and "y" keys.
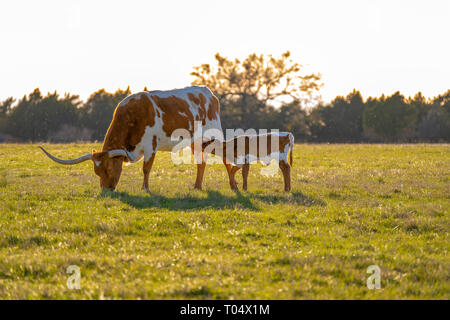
{"x": 172, "y": 110}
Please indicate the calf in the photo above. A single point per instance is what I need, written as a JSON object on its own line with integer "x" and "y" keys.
{"x": 243, "y": 150}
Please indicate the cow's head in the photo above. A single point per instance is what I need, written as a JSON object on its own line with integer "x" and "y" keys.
{"x": 107, "y": 164}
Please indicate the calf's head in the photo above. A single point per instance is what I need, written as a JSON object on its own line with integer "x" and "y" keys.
{"x": 107, "y": 164}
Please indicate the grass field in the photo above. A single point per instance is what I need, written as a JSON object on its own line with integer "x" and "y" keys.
{"x": 351, "y": 206}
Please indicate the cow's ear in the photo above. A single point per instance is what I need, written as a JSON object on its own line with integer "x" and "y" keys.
{"x": 94, "y": 151}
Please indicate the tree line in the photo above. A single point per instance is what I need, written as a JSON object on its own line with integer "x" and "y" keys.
{"x": 248, "y": 91}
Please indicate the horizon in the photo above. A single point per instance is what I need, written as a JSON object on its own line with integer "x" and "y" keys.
{"x": 273, "y": 102}
{"x": 78, "y": 47}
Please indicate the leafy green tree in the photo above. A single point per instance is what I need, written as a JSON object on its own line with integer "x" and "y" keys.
{"x": 5, "y": 106}
{"x": 35, "y": 116}
{"x": 244, "y": 112}
{"x": 5, "y": 109}
{"x": 422, "y": 105}
{"x": 435, "y": 125}
{"x": 292, "y": 117}
{"x": 339, "y": 121}
{"x": 97, "y": 112}
{"x": 443, "y": 100}
{"x": 391, "y": 118}
{"x": 441, "y": 111}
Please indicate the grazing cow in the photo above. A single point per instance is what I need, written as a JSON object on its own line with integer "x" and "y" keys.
{"x": 143, "y": 123}
{"x": 246, "y": 149}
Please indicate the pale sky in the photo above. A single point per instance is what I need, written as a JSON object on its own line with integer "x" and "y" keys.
{"x": 81, "y": 46}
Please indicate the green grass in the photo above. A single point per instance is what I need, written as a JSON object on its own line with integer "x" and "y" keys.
{"x": 351, "y": 206}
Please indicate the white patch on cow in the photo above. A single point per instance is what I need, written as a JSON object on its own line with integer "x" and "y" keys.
{"x": 97, "y": 162}
{"x": 145, "y": 146}
{"x": 286, "y": 148}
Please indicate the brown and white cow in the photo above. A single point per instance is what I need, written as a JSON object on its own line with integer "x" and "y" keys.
{"x": 243, "y": 150}
{"x": 143, "y": 123}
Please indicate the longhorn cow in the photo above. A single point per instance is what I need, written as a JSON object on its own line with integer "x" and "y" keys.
{"x": 143, "y": 123}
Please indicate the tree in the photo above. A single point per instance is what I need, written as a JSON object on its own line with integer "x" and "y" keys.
{"x": 35, "y": 116}
{"x": 435, "y": 125}
{"x": 339, "y": 121}
{"x": 263, "y": 77}
{"x": 421, "y": 104}
{"x": 98, "y": 111}
{"x": 5, "y": 109}
{"x": 247, "y": 89}
{"x": 444, "y": 101}
{"x": 5, "y": 106}
{"x": 391, "y": 118}
{"x": 292, "y": 117}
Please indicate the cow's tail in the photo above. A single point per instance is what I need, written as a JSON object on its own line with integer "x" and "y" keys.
{"x": 291, "y": 146}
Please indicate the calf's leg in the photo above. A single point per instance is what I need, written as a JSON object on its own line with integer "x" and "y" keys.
{"x": 286, "y": 170}
{"x": 234, "y": 169}
{"x": 233, "y": 184}
{"x": 245, "y": 170}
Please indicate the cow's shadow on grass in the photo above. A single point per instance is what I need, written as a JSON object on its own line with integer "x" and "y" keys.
{"x": 295, "y": 198}
{"x": 213, "y": 199}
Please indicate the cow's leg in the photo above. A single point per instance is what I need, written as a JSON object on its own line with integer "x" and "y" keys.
{"x": 286, "y": 170}
{"x": 234, "y": 169}
{"x": 245, "y": 170}
{"x": 233, "y": 184}
{"x": 146, "y": 169}
{"x": 200, "y": 171}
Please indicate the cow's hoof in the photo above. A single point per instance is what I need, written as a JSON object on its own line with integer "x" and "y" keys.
{"x": 197, "y": 187}
{"x": 146, "y": 189}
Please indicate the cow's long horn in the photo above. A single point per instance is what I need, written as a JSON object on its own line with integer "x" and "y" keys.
{"x": 70, "y": 161}
{"x": 121, "y": 152}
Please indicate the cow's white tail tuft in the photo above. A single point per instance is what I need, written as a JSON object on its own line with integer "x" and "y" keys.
{"x": 291, "y": 147}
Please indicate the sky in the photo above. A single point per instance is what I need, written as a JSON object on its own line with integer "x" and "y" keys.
{"x": 81, "y": 46}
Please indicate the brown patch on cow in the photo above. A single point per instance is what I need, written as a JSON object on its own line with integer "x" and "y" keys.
{"x": 200, "y": 102}
{"x": 202, "y": 109}
{"x": 213, "y": 109}
{"x": 194, "y": 98}
{"x": 154, "y": 143}
{"x": 176, "y": 114}
{"x": 157, "y": 112}
{"x": 283, "y": 142}
{"x": 129, "y": 123}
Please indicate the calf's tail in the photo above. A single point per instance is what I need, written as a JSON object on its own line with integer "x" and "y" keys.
{"x": 291, "y": 146}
